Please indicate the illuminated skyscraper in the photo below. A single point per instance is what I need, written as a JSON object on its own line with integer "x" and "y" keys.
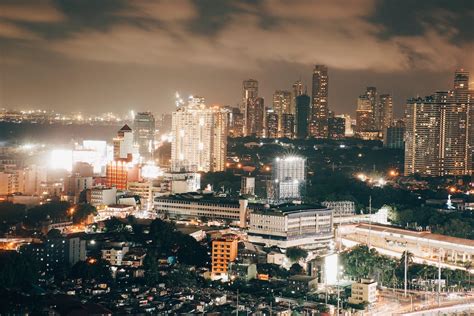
{"x": 199, "y": 137}
{"x": 364, "y": 116}
{"x": 144, "y": 134}
{"x": 371, "y": 93}
{"x": 319, "y": 108}
{"x": 255, "y": 117}
{"x": 249, "y": 95}
{"x": 281, "y": 105}
{"x": 298, "y": 89}
{"x": 302, "y": 116}
{"x": 272, "y": 124}
{"x": 384, "y": 112}
{"x": 288, "y": 125}
{"x": 439, "y": 137}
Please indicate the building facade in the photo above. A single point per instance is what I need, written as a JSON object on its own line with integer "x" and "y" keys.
{"x": 144, "y": 134}
{"x": 319, "y": 108}
{"x": 199, "y": 137}
{"x": 292, "y": 225}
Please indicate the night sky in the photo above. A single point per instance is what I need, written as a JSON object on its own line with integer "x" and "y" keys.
{"x": 117, "y": 55}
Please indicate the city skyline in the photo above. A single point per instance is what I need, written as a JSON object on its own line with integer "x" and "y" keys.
{"x": 121, "y": 55}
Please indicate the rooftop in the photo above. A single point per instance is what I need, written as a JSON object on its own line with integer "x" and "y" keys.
{"x": 291, "y": 208}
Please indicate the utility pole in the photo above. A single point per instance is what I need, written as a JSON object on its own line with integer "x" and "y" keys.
{"x": 406, "y": 271}
{"x": 237, "y": 306}
{"x": 439, "y": 277}
{"x": 370, "y": 220}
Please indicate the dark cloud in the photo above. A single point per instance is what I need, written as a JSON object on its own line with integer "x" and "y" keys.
{"x": 117, "y": 54}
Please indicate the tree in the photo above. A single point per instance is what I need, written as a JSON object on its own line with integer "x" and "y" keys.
{"x": 468, "y": 266}
{"x": 54, "y": 234}
{"x": 296, "y": 269}
{"x": 296, "y": 253}
{"x": 91, "y": 269}
{"x": 82, "y": 211}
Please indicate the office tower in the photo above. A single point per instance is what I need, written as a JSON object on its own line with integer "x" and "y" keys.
{"x": 288, "y": 178}
{"x": 281, "y": 105}
{"x": 123, "y": 144}
{"x": 302, "y": 115}
{"x": 255, "y": 117}
{"x": 249, "y": 94}
{"x": 144, "y": 134}
{"x": 364, "y": 116}
{"x": 348, "y": 130}
{"x": 199, "y": 137}
{"x": 371, "y": 93}
{"x": 220, "y": 129}
{"x": 439, "y": 137}
{"x": 298, "y": 89}
{"x": 461, "y": 80}
{"x": 272, "y": 124}
{"x": 336, "y": 127}
{"x": 319, "y": 107}
{"x": 164, "y": 126}
{"x": 236, "y": 122}
{"x": 384, "y": 112}
{"x": 288, "y": 126}
{"x": 393, "y": 136}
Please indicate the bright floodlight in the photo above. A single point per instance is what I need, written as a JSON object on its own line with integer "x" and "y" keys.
{"x": 61, "y": 159}
{"x": 330, "y": 269}
{"x": 151, "y": 171}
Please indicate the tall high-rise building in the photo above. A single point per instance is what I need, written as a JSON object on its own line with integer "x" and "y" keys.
{"x": 461, "y": 80}
{"x": 337, "y": 127}
{"x": 393, "y": 136}
{"x": 255, "y": 117}
{"x": 319, "y": 107}
{"x": 302, "y": 116}
{"x": 298, "y": 89}
{"x": 364, "y": 116}
{"x": 236, "y": 122}
{"x": 384, "y": 113}
{"x": 439, "y": 137}
{"x": 199, "y": 137}
{"x": 144, "y": 134}
{"x": 272, "y": 124}
{"x": 281, "y": 105}
{"x": 288, "y": 125}
{"x": 249, "y": 95}
{"x": 123, "y": 144}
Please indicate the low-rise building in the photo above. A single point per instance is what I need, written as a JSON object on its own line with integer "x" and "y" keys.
{"x": 364, "y": 291}
{"x": 340, "y": 208}
{"x": 194, "y": 205}
{"x": 103, "y": 196}
{"x": 292, "y": 225}
{"x": 114, "y": 255}
{"x": 224, "y": 251}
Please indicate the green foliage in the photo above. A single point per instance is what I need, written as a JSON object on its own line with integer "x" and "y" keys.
{"x": 82, "y": 211}
{"x": 16, "y": 270}
{"x": 92, "y": 269}
{"x": 296, "y": 269}
{"x": 296, "y": 253}
{"x": 54, "y": 233}
{"x": 173, "y": 243}
{"x": 53, "y": 210}
{"x": 273, "y": 270}
{"x": 456, "y": 224}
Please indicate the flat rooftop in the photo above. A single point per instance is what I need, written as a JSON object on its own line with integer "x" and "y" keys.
{"x": 418, "y": 234}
